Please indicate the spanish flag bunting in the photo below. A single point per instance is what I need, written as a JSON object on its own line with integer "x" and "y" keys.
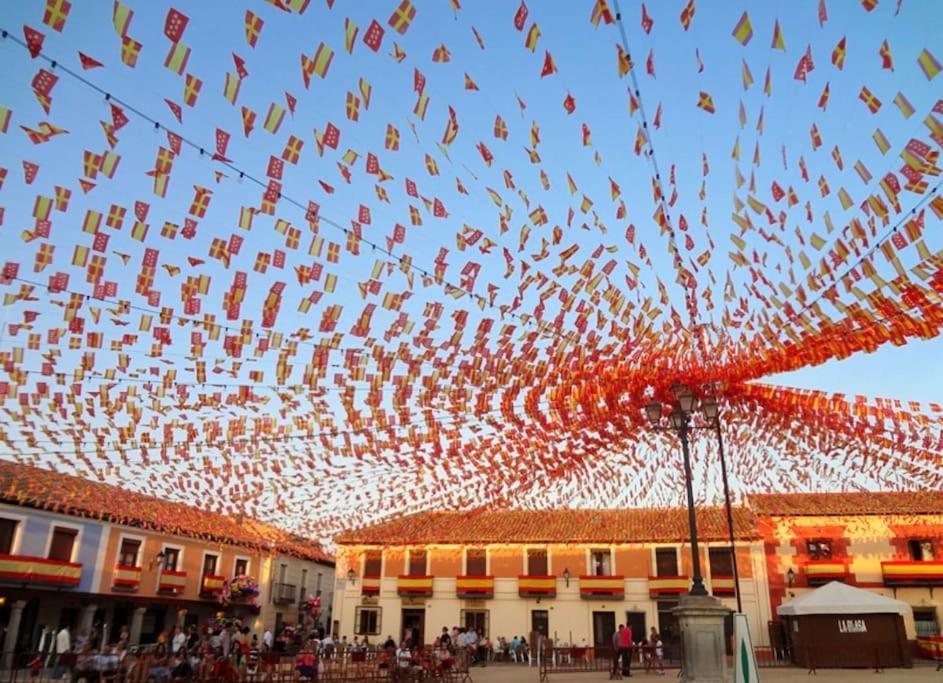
{"x": 398, "y": 54}
{"x": 779, "y": 43}
{"x": 743, "y": 31}
{"x": 928, "y": 64}
{"x": 601, "y": 12}
{"x": 469, "y": 83}
{"x": 274, "y": 118}
{"x": 904, "y": 105}
{"x": 373, "y": 36}
{"x": 533, "y": 35}
{"x": 478, "y": 38}
{"x": 121, "y": 18}
{"x": 231, "y": 88}
{"x": 500, "y": 128}
{"x": 350, "y": 34}
{"x": 887, "y": 60}
{"x": 322, "y": 60}
{"x": 746, "y": 75}
{"x": 881, "y": 141}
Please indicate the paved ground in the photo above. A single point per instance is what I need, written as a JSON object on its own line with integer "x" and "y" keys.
{"x": 508, "y": 673}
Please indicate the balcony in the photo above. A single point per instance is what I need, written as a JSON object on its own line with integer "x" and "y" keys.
{"x": 819, "y": 572}
{"x": 414, "y": 586}
{"x": 537, "y": 586}
{"x": 668, "y": 585}
{"x": 126, "y": 578}
{"x": 474, "y": 587}
{"x": 171, "y": 581}
{"x": 913, "y": 573}
{"x": 723, "y": 585}
{"x": 212, "y": 584}
{"x": 39, "y": 570}
{"x": 602, "y": 587}
{"x": 370, "y": 585}
{"x": 284, "y": 593}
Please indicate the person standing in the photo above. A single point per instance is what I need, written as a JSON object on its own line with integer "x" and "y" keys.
{"x": 625, "y": 649}
{"x": 615, "y": 654}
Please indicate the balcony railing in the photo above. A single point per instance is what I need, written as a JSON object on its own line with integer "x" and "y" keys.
{"x": 126, "y": 578}
{"x": 39, "y": 570}
{"x": 370, "y": 585}
{"x": 414, "y": 585}
{"x": 913, "y": 573}
{"x": 668, "y": 585}
{"x": 284, "y": 593}
{"x": 819, "y": 572}
{"x": 537, "y": 586}
{"x": 611, "y": 586}
{"x": 172, "y": 581}
{"x": 474, "y": 586}
{"x": 212, "y": 584}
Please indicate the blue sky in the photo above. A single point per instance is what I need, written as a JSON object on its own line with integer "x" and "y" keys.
{"x": 505, "y": 73}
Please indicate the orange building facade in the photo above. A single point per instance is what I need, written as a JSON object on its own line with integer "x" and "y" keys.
{"x": 572, "y": 575}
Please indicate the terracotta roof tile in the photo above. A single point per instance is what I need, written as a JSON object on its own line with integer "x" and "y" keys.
{"x": 861, "y": 503}
{"x": 552, "y": 526}
{"x": 48, "y": 490}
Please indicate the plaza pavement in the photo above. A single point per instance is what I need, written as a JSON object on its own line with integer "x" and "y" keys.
{"x": 922, "y": 671}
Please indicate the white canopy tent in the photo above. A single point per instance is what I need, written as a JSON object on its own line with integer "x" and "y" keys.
{"x": 840, "y": 598}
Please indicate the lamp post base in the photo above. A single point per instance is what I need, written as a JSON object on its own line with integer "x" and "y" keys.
{"x": 701, "y": 619}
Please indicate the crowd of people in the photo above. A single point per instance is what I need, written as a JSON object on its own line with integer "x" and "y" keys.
{"x": 228, "y": 651}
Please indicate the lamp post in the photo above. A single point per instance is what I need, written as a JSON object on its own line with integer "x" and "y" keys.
{"x": 685, "y": 403}
{"x": 712, "y": 412}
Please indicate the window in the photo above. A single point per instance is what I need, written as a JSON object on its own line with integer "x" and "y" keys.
{"x": 476, "y": 562}
{"x": 367, "y": 621}
{"x": 304, "y": 583}
{"x": 282, "y": 572}
{"x": 925, "y": 622}
{"x": 417, "y": 562}
{"x": 317, "y": 584}
{"x": 601, "y": 562}
{"x": 128, "y": 553}
{"x": 666, "y": 562}
{"x": 819, "y": 549}
{"x": 63, "y": 543}
{"x": 7, "y": 535}
{"x": 477, "y": 619}
{"x": 242, "y": 567}
{"x": 171, "y": 559}
{"x": 721, "y": 561}
{"x": 537, "y": 562}
{"x": 920, "y": 550}
{"x": 373, "y": 563}
{"x": 209, "y": 564}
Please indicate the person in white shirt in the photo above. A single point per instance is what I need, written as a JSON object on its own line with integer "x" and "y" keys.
{"x": 268, "y": 639}
{"x": 180, "y": 639}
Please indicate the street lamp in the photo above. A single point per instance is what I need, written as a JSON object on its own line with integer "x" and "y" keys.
{"x": 712, "y": 413}
{"x": 685, "y": 403}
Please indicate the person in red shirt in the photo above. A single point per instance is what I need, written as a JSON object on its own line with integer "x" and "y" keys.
{"x": 625, "y": 649}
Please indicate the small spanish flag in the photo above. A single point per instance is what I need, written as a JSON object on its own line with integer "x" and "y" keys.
{"x": 928, "y": 64}
{"x": 743, "y": 31}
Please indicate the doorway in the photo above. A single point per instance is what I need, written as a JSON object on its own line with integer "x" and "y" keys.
{"x": 636, "y": 622}
{"x": 668, "y": 623}
{"x": 539, "y": 624}
{"x": 415, "y": 621}
{"x": 604, "y": 626}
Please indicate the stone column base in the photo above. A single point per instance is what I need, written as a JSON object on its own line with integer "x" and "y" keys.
{"x": 701, "y": 619}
